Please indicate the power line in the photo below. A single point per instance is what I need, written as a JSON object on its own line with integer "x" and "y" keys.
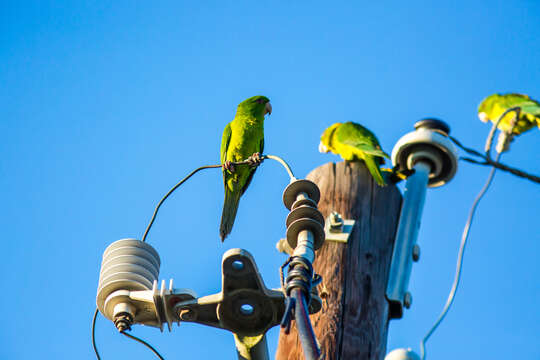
{"x": 464, "y": 237}
{"x": 144, "y": 343}
{"x": 170, "y": 192}
{"x": 496, "y": 164}
{"x": 94, "y": 334}
{"x": 457, "y": 277}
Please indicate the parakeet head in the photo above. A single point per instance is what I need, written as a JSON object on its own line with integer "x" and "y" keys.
{"x": 256, "y": 105}
{"x": 326, "y": 138}
{"x": 486, "y": 106}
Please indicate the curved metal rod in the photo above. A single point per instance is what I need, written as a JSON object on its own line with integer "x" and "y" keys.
{"x": 489, "y": 140}
{"x": 282, "y": 162}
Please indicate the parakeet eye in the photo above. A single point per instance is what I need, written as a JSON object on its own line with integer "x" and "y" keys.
{"x": 259, "y": 101}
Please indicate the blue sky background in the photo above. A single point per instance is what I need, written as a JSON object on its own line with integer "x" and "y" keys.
{"x": 105, "y": 105}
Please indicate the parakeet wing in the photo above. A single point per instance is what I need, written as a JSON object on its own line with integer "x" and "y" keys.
{"x": 248, "y": 181}
{"x": 356, "y": 135}
{"x": 225, "y": 139}
{"x": 528, "y": 106}
{"x": 531, "y": 108}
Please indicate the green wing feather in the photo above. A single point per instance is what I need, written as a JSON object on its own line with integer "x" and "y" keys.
{"x": 354, "y": 142}
{"x": 357, "y": 136}
{"x": 225, "y": 139}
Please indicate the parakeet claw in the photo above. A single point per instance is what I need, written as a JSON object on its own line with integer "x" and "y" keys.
{"x": 255, "y": 160}
{"x": 228, "y": 165}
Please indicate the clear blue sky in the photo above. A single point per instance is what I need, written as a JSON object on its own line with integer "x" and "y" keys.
{"x": 105, "y": 105}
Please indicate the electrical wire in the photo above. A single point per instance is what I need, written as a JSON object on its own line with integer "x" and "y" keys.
{"x": 144, "y": 343}
{"x": 489, "y": 141}
{"x": 244, "y": 162}
{"x": 487, "y": 157}
{"x": 98, "y": 357}
{"x": 170, "y": 192}
{"x": 466, "y": 229}
{"x": 94, "y": 334}
{"x": 489, "y": 162}
{"x": 282, "y": 162}
{"x": 457, "y": 276}
{"x": 309, "y": 343}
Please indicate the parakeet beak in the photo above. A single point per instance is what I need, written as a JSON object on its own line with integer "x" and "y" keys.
{"x": 268, "y": 109}
{"x": 322, "y": 148}
{"x": 483, "y": 117}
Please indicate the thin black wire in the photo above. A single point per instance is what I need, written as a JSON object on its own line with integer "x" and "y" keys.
{"x": 498, "y": 165}
{"x": 94, "y": 334}
{"x": 144, "y": 343}
{"x": 489, "y": 162}
{"x": 457, "y": 276}
{"x": 124, "y": 333}
{"x": 244, "y": 162}
{"x": 466, "y": 149}
{"x": 170, "y": 192}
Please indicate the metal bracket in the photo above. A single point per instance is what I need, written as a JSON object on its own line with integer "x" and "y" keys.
{"x": 338, "y": 229}
{"x": 245, "y": 306}
{"x": 150, "y": 307}
{"x": 433, "y": 157}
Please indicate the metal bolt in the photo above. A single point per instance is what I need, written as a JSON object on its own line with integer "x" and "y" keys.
{"x": 336, "y": 222}
{"x": 123, "y": 321}
{"x": 186, "y": 314}
{"x": 407, "y": 300}
{"x": 416, "y": 252}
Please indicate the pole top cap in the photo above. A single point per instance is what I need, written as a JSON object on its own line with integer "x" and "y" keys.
{"x": 433, "y": 124}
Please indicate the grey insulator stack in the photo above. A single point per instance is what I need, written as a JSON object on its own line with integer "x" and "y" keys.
{"x": 127, "y": 264}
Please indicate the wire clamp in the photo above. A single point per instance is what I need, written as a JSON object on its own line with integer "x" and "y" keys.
{"x": 338, "y": 229}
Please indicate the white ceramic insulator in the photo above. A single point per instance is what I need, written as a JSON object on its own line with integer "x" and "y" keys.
{"x": 127, "y": 264}
{"x": 432, "y": 157}
{"x": 402, "y": 354}
{"x": 431, "y": 145}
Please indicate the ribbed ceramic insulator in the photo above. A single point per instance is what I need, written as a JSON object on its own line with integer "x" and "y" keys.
{"x": 127, "y": 264}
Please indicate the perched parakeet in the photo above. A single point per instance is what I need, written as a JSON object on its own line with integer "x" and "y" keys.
{"x": 354, "y": 142}
{"x": 243, "y": 138}
{"x": 492, "y": 107}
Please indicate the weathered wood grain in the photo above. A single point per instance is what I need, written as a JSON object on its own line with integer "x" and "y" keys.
{"x": 354, "y": 321}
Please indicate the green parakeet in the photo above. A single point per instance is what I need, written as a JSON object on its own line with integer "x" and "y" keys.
{"x": 243, "y": 138}
{"x": 492, "y": 107}
{"x": 354, "y": 142}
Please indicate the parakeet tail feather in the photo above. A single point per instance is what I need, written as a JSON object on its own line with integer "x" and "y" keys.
{"x": 230, "y": 206}
{"x": 373, "y": 168}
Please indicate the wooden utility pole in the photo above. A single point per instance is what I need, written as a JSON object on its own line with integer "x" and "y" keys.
{"x": 353, "y": 322}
